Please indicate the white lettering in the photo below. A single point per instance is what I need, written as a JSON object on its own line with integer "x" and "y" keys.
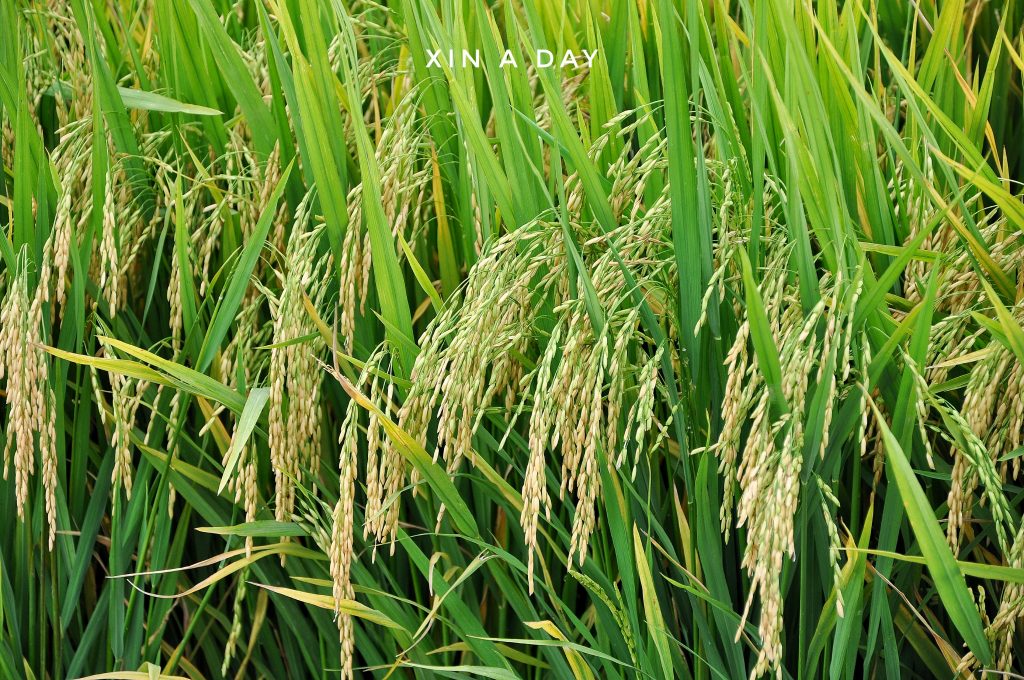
{"x": 542, "y": 59}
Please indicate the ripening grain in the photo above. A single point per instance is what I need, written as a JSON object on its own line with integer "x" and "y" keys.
{"x": 696, "y": 352}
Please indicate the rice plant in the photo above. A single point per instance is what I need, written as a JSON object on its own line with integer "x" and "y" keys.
{"x": 512, "y": 339}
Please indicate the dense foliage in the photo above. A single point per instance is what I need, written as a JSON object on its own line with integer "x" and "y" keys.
{"x": 697, "y": 353}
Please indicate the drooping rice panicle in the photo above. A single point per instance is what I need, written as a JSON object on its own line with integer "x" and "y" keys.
{"x": 24, "y": 365}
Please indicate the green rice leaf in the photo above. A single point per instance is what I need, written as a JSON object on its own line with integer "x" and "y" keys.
{"x": 151, "y": 101}
{"x": 946, "y": 575}
{"x": 246, "y": 424}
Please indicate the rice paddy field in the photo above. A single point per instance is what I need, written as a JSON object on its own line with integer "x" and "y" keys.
{"x": 511, "y": 339}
